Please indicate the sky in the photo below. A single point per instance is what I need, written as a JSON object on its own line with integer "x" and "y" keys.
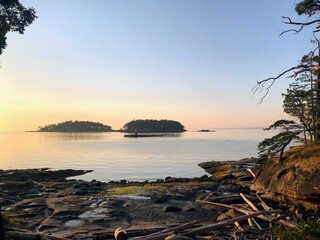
{"x": 112, "y": 61}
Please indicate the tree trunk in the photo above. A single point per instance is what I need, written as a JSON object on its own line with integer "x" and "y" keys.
{"x": 317, "y": 90}
{"x": 281, "y": 158}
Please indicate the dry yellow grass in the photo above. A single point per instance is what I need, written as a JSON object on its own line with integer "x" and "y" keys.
{"x": 306, "y": 157}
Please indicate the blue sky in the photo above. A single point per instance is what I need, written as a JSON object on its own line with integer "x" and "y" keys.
{"x": 114, "y": 61}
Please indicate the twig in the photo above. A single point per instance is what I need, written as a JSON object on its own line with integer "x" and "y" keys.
{"x": 257, "y": 224}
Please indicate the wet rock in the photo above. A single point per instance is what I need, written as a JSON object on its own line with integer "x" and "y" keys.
{"x": 6, "y": 202}
{"x": 170, "y": 179}
{"x": 130, "y": 203}
{"x": 204, "y": 177}
{"x": 230, "y": 172}
{"x": 182, "y": 180}
{"x": 190, "y": 209}
{"x": 172, "y": 209}
{"x": 39, "y": 175}
{"x": 81, "y": 192}
{"x": 195, "y": 179}
{"x": 22, "y": 236}
{"x": 159, "y": 199}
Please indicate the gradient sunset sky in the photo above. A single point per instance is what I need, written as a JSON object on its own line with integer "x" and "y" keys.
{"x": 112, "y": 61}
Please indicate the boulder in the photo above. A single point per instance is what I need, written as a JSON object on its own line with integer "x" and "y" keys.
{"x": 296, "y": 179}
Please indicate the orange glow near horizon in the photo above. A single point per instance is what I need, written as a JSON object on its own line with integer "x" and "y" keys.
{"x": 20, "y": 119}
{"x": 24, "y": 110}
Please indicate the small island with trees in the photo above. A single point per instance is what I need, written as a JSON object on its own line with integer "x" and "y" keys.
{"x": 153, "y": 126}
{"x": 76, "y": 126}
{"x": 135, "y": 126}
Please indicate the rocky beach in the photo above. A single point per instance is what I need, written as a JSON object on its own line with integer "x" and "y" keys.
{"x": 47, "y": 204}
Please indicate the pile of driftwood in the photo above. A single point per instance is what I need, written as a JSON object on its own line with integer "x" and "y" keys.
{"x": 253, "y": 223}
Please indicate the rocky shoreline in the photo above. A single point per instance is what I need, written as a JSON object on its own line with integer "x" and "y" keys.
{"x": 46, "y": 202}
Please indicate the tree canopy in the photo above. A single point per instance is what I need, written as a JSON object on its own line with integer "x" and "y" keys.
{"x": 14, "y": 17}
{"x": 308, "y": 7}
{"x": 289, "y": 131}
{"x": 153, "y": 126}
{"x": 302, "y": 99}
{"x": 76, "y": 126}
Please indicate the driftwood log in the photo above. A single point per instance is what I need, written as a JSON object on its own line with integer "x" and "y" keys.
{"x": 265, "y": 217}
{"x": 225, "y": 223}
{"x": 164, "y": 233}
{"x": 120, "y": 234}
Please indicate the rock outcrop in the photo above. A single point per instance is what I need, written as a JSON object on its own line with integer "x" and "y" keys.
{"x": 296, "y": 179}
{"x": 230, "y": 172}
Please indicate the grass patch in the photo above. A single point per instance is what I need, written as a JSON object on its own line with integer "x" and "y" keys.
{"x": 128, "y": 190}
{"x": 132, "y": 190}
{"x": 307, "y": 230}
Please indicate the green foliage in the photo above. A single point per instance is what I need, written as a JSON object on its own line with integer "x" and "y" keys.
{"x": 300, "y": 100}
{"x": 153, "y": 126}
{"x": 299, "y": 103}
{"x": 14, "y": 17}
{"x": 76, "y": 126}
{"x": 6, "y": 220}
{"x": 306, "y": 230}
{"x": 270, "y": 147}
{"x": 308, "y": 7}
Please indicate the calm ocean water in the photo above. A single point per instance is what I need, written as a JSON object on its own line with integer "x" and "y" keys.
{"x": 113, "y": 157}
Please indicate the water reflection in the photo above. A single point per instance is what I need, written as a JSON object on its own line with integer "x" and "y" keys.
{"x": 114, "y": 157}
{"x": 144, "y": 135}
{"x": 73, "y": 136}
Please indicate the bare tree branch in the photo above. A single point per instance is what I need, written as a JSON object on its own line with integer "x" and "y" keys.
{"x": 270, "y": 81}
{"x": 295, "y": 31}
{"x": 300, "y": 24}
{"x": 289, "y": 21}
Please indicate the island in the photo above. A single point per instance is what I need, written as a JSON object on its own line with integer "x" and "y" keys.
{"x": 206, "y": 130}
{"x": 153, "y": 126}
{"x": 76, "y": 126}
